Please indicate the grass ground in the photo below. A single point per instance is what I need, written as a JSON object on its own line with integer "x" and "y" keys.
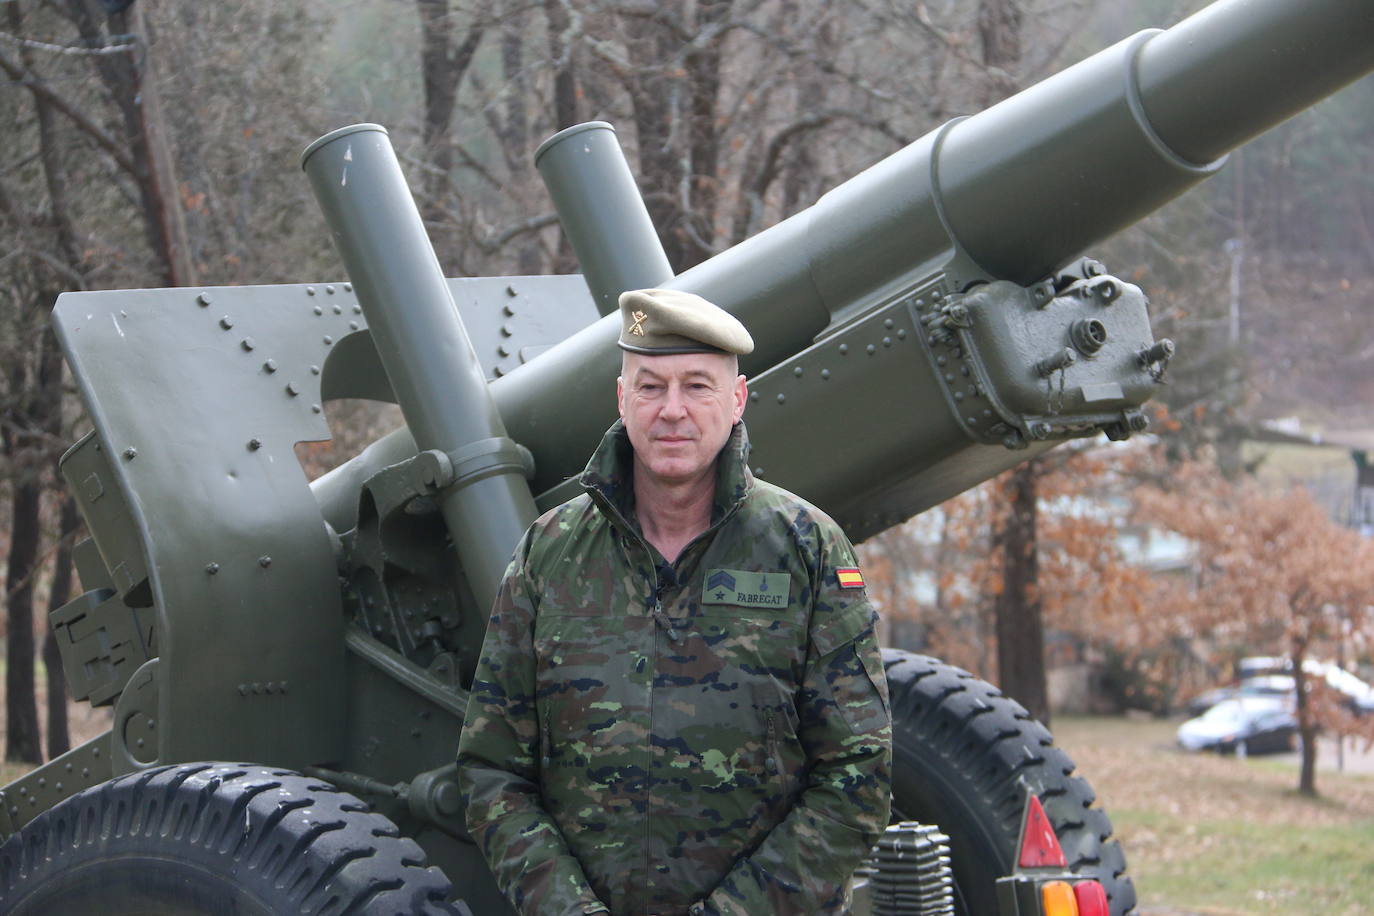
{"x": 1219, "y": 836}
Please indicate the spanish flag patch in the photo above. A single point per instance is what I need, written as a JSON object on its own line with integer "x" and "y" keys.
{"x": 850, "y": 577}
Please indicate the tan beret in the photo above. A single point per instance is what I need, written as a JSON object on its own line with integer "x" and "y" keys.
{"x": 664, "y": 321}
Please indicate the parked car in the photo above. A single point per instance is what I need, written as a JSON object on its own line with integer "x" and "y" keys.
{"x": 1242, "y": 725}
{"x": 1272, "y": 676}
{"x": 1278, "y": 686}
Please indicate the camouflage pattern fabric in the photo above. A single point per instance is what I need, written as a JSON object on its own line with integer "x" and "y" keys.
{"x": 710, "y": 736}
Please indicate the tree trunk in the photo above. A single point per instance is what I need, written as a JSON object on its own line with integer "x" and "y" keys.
{"x": 1307, "y": 726}
{"x": 59, "y": 736}
{"x": 442, "y": 66}
{"x": 656, "y": 99}
{"x": 999, "y": 32}
{"x": 1020, "y": 631}
{"x": 565, "y": 107}
{"x": 129, "y": 80}
{"x": 22, "y": 740}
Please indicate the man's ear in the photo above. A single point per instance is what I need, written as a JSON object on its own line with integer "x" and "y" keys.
{"x": 620, "y": 394}
{"x": 741, "y": 397}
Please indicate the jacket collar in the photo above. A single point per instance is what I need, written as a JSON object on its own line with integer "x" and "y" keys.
{"x": 609, "y": 475}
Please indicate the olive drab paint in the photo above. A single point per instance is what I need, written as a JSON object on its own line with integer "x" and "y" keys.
{"x": 922, "y": 327}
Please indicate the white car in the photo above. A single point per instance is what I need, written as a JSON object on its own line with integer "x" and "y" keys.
{"x": 1242, "y": 725}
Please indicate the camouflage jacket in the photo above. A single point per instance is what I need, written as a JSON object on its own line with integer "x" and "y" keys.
{"x": 710, "y": 736}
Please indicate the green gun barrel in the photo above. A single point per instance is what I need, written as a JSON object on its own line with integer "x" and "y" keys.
{"x": 1012, "y": 193}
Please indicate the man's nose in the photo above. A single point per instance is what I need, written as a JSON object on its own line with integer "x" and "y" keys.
{"x": 674, "y": 404}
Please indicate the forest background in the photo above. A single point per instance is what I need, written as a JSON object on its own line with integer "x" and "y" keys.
{"x": 156, "y": 143}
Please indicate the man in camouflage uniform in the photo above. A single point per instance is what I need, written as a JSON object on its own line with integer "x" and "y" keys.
{"x": 680, "y": 706}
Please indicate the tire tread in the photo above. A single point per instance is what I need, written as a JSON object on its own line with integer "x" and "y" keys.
{"x": 307, "y": 845}
{"x": 984, "y": 751}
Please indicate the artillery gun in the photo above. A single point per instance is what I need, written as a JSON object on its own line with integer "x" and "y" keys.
{"x": 326, "y": 632}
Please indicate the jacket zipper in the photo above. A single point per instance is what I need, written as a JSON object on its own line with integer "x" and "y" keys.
{"x": 774, "y": 764}
{"x": 546, "y": 745}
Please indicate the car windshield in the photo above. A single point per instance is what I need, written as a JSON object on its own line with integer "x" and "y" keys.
{"x": 1233, "y": 713}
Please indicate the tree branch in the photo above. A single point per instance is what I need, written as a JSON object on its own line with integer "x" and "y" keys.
{"x": 40, "y": 89}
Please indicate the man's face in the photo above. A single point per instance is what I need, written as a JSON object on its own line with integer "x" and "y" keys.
{"x": 678, "y": 410}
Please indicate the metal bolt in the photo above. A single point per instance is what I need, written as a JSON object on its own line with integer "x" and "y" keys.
{"x": 753, "y": 396}
{"x": 270, "y": 365}
{"x": 353, "y": 325}
{"x": 226, "y": 322}
{"x": 316, "y": 408}
{"x": 130, "y": 453}
{"x": 1163, "y": 349}
{"x": 357, "y": 309}
{"x": 338, "y": 310}
{"x": 314, "y": 370}
{"x": 204, "y": 299}
{"x": 887, "y": 323}
{"x": 243, "y": 690}
{"x": 291, "y": 389}
{"x": 328, "y": 340}
{"x": 887, "y": 341}
{"x": 1040, "y": 430}
{"x": 264, "y": 562}
{"x": 317, "y": 310}
{"x": 310, "y": 290}
{"x": 844, "y": 349}
{"x": 1055, "y": 362}
{"x": 825, "y": 374}
{"x": 901, "y": 333}
{"x": 797, "y": 371}
{"x": 329, "y": 289}
{"x": 510, "y": 290}
{"x": 211, "y": 568}
{"x": 254, "y": 444}
{"x": 782, "y": 399}
{"x": 247, "y": 343}
{"x": 348, "y": 287}
{"x": 503, "y": 350}
{"x": 870, "y": 349}
{"x": 941, "y": 360}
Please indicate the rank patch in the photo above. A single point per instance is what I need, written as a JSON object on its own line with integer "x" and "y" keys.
{"x": 747, "y": 589}
{"x": 850, "y": 577}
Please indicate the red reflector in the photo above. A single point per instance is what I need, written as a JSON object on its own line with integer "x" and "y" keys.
{"x": 1092, "y": 899}
{"x": 1039, "y": 846}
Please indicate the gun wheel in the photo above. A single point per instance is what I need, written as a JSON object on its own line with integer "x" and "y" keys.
{"x": 964, "y": 756}
{"x": 215, "y": 838}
